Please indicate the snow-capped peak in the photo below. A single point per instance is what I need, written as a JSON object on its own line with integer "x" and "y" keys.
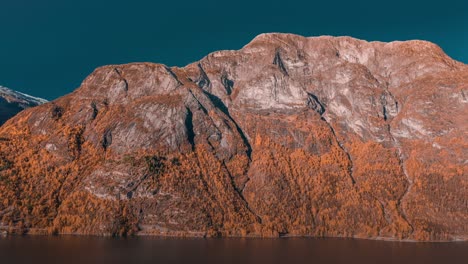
{"x": 21, "y": 98}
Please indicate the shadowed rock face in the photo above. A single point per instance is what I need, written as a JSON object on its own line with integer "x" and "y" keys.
{"x": 289, "y": 136}
{"x": 12, "y": 102}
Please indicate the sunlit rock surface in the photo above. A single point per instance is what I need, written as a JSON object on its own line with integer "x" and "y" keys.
{"x": 289, "y": 136}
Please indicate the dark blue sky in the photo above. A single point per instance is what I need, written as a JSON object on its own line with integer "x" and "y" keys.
{"x": 48, "y": 47}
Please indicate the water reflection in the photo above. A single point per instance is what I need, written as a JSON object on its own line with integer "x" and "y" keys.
{"x": 32, "y": 249}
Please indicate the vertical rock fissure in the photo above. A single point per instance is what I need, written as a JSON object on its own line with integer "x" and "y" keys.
{"x": 396, "y": 143}
{"x": 106, "y": 139}
{"x": 198, "y": 102}
{"x": 245, "y": 140}
{"x": 189, "y": 126}
{"x": 241, "y": 195}
{"x": 227, "y": 83}
{"x": 218, "y": 103}
{"x": 314, "y": 103}
{"x": 119, "y": 73}
{"x": 279, "y": 62}
{"x": 203, "y": 81}
{"x": 405, "y": 173}
{"x": 342, "y": 147}
{"x": 384, "y": 112}
{"x": 172, "y": 73}
{"x": 385, "y": 104}
{"x": 383, "y": 209}
{"x": 95, "y": 110}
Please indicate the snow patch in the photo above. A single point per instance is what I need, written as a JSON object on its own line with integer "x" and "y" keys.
{"x": 14, "y": 96}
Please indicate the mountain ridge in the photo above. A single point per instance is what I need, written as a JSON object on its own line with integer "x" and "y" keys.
{"x": 12, "y": 102}
{"x": 289, "y": 136}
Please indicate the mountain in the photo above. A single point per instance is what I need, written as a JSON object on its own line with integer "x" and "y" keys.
{"x": 288, "y": 136}
{"x": 12, "y": 102}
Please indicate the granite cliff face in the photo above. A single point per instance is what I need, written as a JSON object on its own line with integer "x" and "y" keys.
{"x": 289, "y": 136}
{"x": 12, "y": 102}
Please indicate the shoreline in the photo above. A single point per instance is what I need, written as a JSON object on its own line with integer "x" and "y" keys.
{"x": 204, "y": 236}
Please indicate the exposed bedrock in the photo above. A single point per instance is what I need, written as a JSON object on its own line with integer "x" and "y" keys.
{"x": 288, "y": 136}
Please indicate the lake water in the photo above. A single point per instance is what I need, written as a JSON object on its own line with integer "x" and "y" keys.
{"x": 38, "y": 250}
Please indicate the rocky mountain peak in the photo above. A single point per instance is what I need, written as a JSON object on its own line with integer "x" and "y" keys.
{"x": 12, "y": 102}
{"x": 319, "y": 136}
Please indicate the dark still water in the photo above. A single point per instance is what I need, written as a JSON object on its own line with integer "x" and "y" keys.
{"x": 37, "y": 250}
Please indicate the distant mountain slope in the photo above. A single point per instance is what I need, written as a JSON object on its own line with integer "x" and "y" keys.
{"x": 289, "y": 136}
{"x": 12, "y": 102}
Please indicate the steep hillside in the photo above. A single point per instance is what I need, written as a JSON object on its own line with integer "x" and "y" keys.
{"x": 289, "y": 136}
